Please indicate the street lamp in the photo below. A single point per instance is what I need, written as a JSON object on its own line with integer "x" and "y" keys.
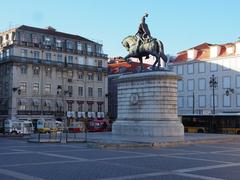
{"x": 213, "y": 84}
{"x": 228, "y": 91}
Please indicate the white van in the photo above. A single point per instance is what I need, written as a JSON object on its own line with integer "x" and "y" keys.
{"x": 18, "y": 126}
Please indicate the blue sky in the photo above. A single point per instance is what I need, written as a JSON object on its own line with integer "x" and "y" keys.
{"x": 179, "y": 24}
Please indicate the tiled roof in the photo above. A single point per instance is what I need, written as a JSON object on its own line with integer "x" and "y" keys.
{"x": 203, "y": 52}
{"x": 51, "y": 31}
{"x": 119, "y": 63}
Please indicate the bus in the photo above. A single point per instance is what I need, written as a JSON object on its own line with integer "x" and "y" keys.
{"x": 211, "y": 124}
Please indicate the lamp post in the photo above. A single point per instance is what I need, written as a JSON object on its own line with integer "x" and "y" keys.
{"x": 213, "y": 84}
{"x": 228, "y": 91}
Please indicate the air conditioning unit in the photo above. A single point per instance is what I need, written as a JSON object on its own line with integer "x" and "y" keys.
{"x": 69, "y": 80}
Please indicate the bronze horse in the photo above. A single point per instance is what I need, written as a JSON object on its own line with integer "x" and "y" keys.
{"x": 154, "y": 47}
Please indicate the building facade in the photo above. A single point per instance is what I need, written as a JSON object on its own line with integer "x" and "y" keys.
{"x": 199, "y": 67}
{"x": 52, "y": 75}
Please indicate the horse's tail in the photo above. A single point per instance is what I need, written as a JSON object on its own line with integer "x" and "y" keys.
{"x": 160, "y": 46}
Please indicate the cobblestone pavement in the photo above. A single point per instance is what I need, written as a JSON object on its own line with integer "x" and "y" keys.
{"x": 32, "y": 161}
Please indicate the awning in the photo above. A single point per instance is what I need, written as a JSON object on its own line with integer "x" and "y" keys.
{"x": 22, "y": 102}
{"x": 59, "y": 104}
{"x": 35, "y": 102}
{"x": 48, "y": 103}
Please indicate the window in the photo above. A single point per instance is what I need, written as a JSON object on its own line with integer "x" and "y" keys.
{"x": 24, "y": 52}
{"x": 90, "y": 76}
{"x": 48, "y": 71}
{"x": 23, "y": 69}
{"x": 58, "y": 43}
{"x": 80, "y": 91}
{"x": 35, "y": 88}
{"x": 36, "y": 70}
{"x": 13, "y": 36}
{"x": 202, "y": 84}
{"x": 80, "y": 107}
{"x": 215, "y": 100}
{"x": 89, "y": 48}
{"x": 190, "y": 101}
{"x": 47, "y": 41}
{"x": 100, "y": 92}
{"x": 90, "y": 107}
{"x": 226, "y": 100}
{"x": 70, "y": 105}
{"x": 238, "y": 81}
{"x": 226, "y": 82}
{"x": 201, "y": 67}
{"x": 59, "y": 57}
{"x": 213, "y": 67}
{"x": 23, "y": 87}
{"x": 80, "y": 75}
{"x": 180, "y": 102}
{"x": 79, "y": 46}
{"x": 90, "y": 92}
{"x": 48, "y": 56}
{"x": 190, "y": 84}
{"x": 36, "y": 55}
{"x": 7, "y": 37}
{"x": 190, "y": 68}
{"x": 48, "y": 88}
{"x": 70, "y": 90}
{"x": 238, "y": 100}
{"x": 100, "y": 105}
{"x": 100, "y": 63}
{"x": 202, "y": 101}
{"x": 70, "y": 59}
{"x": 35, "y": 39}
{"x": 69, "y": 45}
{"x": 98, "y": 49}
{"x": 70, "y": 74}
{"x": 180, "y": 85}
{"x": 99, "y": 77}
{"x": 180, "y": 69}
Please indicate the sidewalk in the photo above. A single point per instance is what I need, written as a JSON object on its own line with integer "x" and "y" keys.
{"x": 108, "y": 140}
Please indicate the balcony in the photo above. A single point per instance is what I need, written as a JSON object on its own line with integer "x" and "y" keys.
{"x": 59, "y": 49}
{"x": 19, "y": 59}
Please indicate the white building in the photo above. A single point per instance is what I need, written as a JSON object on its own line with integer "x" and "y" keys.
{"x": 49, "y": 74}
{"x": 196, "y": 66}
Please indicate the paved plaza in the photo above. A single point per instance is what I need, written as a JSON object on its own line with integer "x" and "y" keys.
{"x": 34, "y": 161}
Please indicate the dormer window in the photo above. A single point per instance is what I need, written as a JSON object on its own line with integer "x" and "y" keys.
{"x": 229, "y": 50}
{"x": 192, "y": 54}
{"x": 237, "y": 45}
{"x": 214, "y": 51}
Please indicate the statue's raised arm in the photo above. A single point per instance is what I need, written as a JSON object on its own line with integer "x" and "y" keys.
{"x": 143, "y": 30}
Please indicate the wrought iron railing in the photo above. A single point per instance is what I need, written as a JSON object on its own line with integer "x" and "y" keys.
{"x": 19, "y": 59}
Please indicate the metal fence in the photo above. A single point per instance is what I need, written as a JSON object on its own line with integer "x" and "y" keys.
{"x": 58, "y": 137}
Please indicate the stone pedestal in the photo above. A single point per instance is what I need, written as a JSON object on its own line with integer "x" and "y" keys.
{"x": 147, "y": 105}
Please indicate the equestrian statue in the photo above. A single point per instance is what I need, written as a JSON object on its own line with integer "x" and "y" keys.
{"x": 142, "y": 45}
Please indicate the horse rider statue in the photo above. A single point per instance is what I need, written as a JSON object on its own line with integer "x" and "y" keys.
{"x": 142, "y": 45}
{"x": 143, "y": 34}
